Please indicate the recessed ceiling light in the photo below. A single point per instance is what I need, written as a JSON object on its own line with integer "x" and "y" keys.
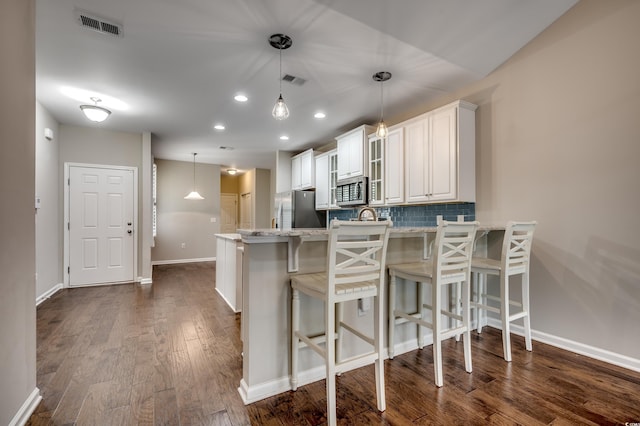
{"x": 319, "y": 114}
{"x": 284, "y": 138}
{"x": 240, "y": 98}
{"x": 219, "y": 127}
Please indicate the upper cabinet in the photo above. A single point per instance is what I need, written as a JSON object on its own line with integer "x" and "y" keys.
{"x": 394, "y": 167}
{"x": 440, "y": 155}
{"x": 326, "y": 177}
{"x": 351, "y": 152}
{"x": 386, "y": 168}
{"x": 303, "y": 173}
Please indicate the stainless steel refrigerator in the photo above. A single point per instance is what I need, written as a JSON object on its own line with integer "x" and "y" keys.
{"x": 297, "y": 209}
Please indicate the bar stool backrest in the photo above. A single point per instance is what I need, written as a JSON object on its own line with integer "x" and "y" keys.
{"x": 454, "y": 242}
{"x": 516, "y": 247}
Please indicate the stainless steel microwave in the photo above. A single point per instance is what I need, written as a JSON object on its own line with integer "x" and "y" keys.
{"x": 352, "y": 191}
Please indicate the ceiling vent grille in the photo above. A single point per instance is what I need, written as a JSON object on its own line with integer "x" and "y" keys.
{"x": 96, "y": 23}
{"x": 293, "y": 79}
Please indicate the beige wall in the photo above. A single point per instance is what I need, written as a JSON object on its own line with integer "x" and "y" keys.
{"x": 17, "y": 221}
{"x": 186, "y": 221}
{"x": 229, "y": 184}
{"x": 558, "y": 129}
{"x": 48, "y": 216}
{"x": 93, "y": 145}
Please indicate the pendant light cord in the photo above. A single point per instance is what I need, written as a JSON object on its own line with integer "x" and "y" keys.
{"x": 381, "y": 100}
{"x": 194, "y": 171}
{"x": 280, "y": 49}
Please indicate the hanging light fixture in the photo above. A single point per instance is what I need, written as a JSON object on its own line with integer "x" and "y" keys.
{"x": 94, "y": 112}
{"x": 193, "y": 195}
{"x": 381, "y": 76}
{"x": 280, "y": 42}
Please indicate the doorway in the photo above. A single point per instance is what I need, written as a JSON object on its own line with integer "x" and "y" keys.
{"x": 228, "y": 213}
{"x": 246, "y": 218}
{"x": 100, "y": 223}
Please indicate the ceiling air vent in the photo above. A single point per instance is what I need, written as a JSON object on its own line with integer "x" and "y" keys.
{"x": 96, "y": 23}
{"x": 293, "y": 79}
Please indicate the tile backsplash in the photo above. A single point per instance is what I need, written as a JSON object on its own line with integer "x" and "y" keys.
{"x": 410, "y": 216}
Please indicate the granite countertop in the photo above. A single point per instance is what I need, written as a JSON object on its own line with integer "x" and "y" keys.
{"x": 310, "y": 232}
{"x": 233, "y": 237}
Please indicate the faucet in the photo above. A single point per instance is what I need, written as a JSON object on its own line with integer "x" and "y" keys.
{"x": 367, "y": 213}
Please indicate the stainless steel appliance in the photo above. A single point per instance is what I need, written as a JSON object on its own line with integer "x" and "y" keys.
{"x": 297, "y": 209}
{"x": 352, "y": 191}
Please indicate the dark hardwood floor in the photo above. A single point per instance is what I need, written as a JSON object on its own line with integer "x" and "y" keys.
{"x": 169, "y": 354}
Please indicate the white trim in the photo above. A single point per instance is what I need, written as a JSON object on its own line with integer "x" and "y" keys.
{"x": 66, "y": 260}
{"x": 144, "y": 281}
{"x": 29, "y": 406}
{"x": 604, "y": 355}
{"x": 177, "y": 261}
{"x": 251, "y": 394}
{"x": 47, "y": 294}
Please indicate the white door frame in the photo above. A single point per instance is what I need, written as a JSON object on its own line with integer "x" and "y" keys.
{"x": 65, "y": 269}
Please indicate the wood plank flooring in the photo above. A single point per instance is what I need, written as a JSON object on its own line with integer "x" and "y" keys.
{"x": 169, "y": 354}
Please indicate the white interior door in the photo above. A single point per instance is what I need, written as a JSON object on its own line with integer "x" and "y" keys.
{"x": 228, "y": 213}
{"x": 101, "y": 219}
{"x": 246, "y": 220}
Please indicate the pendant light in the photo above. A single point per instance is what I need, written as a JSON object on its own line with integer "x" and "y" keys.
{"x": 94, "y": 112}
{"x": 381, "y": 76}
{"x": 193, "y": 195}
{"x": 280, "y": 42}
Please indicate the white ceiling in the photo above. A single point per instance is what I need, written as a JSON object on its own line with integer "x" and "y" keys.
{"x": 179, "y": 64}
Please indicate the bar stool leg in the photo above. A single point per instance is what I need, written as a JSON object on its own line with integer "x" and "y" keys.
{"x": 331, "y": 363}
{"x": 339, "y": 331}
{"x": 466, "y": 322}
{"x": 525, "y": 308}
{"x": 379, "y": 347}
{"x": 392, "y": 315}
{"x": 436, "y": 305}
{"x": 295, "y": 342}
{"x": 421, "y": 310}
{"x": 504, "y": 313}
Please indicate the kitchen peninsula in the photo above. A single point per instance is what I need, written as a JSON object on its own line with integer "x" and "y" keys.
{"x": 270, "y": 257}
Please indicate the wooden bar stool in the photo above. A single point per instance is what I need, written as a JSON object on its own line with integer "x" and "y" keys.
{"x": 514, "y": 260}
{"x": 356, "y": 255}
{"x": 449, "y": 266}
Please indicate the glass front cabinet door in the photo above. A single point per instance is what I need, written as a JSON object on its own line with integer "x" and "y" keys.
{"x": 376, "y": 161}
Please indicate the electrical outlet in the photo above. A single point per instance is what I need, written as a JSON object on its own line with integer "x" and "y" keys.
{"x": 183, "y": 245}
{"x": 364, "y": 305}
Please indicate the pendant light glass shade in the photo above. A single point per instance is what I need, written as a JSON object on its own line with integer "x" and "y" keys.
{"x": 193, "y": 195}
{"x": 382, "y": 130}
{"x": 280, "y": 42}
{"x": 94, "y": 112}
{"x": 280, "y": 110}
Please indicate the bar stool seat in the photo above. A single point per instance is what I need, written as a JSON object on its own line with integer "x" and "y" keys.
{"x": 356, "y": 255}
{"x": 450, "y": 266}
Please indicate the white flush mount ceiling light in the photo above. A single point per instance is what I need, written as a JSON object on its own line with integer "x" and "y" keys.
{"x": 240, "y": 98}
{"x": 94, "y": 112}
{"x": 232, "y": 171}
{"x": 280, "y": 42}
{"x": 381, "y": 76}
{"x": 193, "y": 195}
{"x": 284, "y": 138}
{"x": 319, "y": 115}
{"x": 219, "y": 127}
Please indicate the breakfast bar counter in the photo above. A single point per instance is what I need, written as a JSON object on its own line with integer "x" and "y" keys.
{"x": 270, "y": 257}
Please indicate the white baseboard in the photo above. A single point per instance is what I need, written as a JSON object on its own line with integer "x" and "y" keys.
{"x": 29, "y": 406}
{"x": 49, "y": 293}
{"x": 177, "y": 261}
{"x": 575, "y": 347}
{"x": 251, "y": 394}
{"x": 144, "y": 281}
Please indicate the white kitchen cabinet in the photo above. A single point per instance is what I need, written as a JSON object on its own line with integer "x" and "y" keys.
{"x": 228, "y": 281}
{"x": 326, "y": 178}
{"x": 322, "y": 181}
{"x": 440, "y": 155}
{"x": 303, "y": 170}
{"x": 351, "y": 152}
{"x": 394, "y": 167}
{"x": 376, "y": 170}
